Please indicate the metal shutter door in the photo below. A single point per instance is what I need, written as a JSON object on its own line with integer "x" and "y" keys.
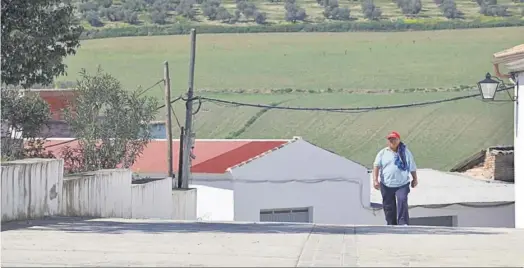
{"x": 285, "y": 215}
{"x": 432, "y": 221}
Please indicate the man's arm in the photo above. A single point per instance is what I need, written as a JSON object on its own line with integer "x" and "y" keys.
{"x": 412, "y": 167}
{"x": 375, "y": 173}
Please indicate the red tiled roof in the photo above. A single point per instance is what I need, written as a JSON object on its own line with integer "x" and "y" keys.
{"x": 212, "y": 156}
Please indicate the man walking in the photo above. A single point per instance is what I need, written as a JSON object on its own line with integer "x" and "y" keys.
{"x": 394, "y": 164}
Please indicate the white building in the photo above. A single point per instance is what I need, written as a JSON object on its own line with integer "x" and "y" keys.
{"x": 513, "y": 60}
{"x": 453, "y": 199}
{"x": 296, "y": 181}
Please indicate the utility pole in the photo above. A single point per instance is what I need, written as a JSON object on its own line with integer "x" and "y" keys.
{"x": 181, "y": 157}
{"x": 169, "y": 129}
{"x": 188, "y": 137}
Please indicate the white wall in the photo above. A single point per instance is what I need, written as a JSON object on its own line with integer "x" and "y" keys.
{"x": 519, "y": 153}
{"x": 152, "y": 200}
{"x": 214, "y": 204}
{"x": 503, "y": 216}
{"x": 184, "y": 204}
{"x": 31, "y": 188}
{"x": 103, "y": 193}
{"x": 332, "y": 202}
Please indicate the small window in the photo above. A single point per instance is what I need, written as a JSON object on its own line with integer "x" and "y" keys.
{"x": 286, "y": 215}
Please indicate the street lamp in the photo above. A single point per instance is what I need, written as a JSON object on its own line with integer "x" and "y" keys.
{"x": 489, "y": 87}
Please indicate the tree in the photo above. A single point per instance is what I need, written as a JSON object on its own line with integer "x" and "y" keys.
{"x": 371, "y": 12}
{"x": 185, "y": 9}
{"x": 260, "y": 17}
{"x": 23, "y": 116}
{"x": 158, "y": 17}
{"x": 110, "y": 123}
{"x": 210, "y": 8}
{"x": 410, "y": 7}
{"x": 224, "y": 15}
{"x": 449, "y": 9}
{"x": 113, "y": 13}
{"x": 130, "y": 17}
{"x": 334, "y": 12}
{"x": 36, "y": 36}
{"x": 133, "y": 5}
{"x": 104, "y": 3}
{"x": 494, "y": 10}
{"x": 293, "y": 12}
{"x": 93, "y": 19}
{"x": 248, "y": 9}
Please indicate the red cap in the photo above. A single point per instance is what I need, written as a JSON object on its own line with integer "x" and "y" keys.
{"x": 393, "y": 134}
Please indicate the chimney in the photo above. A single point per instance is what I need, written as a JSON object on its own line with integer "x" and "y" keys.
{"x": 500, "y": 162}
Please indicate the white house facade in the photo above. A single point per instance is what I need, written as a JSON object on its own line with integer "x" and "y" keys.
{"x": 513, "y": 60}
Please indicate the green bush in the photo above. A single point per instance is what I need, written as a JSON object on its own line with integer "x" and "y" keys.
{"x": 341, "y": 26}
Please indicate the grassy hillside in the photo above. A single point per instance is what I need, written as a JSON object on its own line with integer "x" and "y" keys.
{"x": 275, "y": 11}
{"x": 310, "y": 61}
{"x": 440, "y": 135}
{"x": 312, "y": 65}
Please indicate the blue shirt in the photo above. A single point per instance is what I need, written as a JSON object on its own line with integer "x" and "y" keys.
{"x": 389, "y": 174}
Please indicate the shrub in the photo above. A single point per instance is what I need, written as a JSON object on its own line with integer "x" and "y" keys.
{"x": 158, "y": 17}
{"x": 370, "y": 11}
{"x": 93, "y": 19}
{"x": 87, "y": 6}
{"x": 293, "y": 12}
{"x": 260, "y": 17}
{"x": 449, "y": 9}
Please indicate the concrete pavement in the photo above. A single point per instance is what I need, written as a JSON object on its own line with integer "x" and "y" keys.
{"x": 117, "y": 242}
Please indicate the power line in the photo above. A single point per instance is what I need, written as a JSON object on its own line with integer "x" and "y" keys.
{"x": 352, "y": 109}
{"x": 145, "y": 90}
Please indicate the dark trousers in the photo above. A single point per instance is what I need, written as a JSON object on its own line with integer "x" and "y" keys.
{"x": 395, "y": 204}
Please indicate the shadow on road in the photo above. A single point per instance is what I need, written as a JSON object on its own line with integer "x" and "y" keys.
{"x": 112, "y": 226}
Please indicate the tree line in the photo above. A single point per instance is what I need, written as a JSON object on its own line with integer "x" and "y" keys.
{"x": 159, "y": 11}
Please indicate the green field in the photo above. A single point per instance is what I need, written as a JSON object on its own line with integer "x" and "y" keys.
{"x": 440, "y": 135}
{"x": 312, "y": 61}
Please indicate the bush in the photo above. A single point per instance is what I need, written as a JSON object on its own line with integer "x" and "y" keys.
{"x": 130, "y": 17}
{"x": 260, "y": 17}
{"x": 113, "y": 13}
{"x": 93, "y": 19}
{"x": 293, "y": 12}
{"x": 248, "y": 9}
{"x": 185, "y": 9}
{"x": 104, "y": 3}
{"x": 410, "y": 7}
{"x": 158, "y": 17}
{"x": 449, "y": 9}
{"x": 224, "y": 16}
{"x": 334, "y": 12}
{"x": 370, "y": 11}
{"x": 494, "y": 10}
{"x": 87, "y": 6}
{"x": 133, "y": 5}
{"x": 210, "y": 8}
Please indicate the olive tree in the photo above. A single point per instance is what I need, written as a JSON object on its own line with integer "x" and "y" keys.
{"x": 110, "y": 123}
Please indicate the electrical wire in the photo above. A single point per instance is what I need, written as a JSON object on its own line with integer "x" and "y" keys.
{"x": 352, "y": 109}
{"x": 145, "y": 90}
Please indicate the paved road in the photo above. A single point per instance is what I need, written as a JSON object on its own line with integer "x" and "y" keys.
{"x": 116, "y": 242}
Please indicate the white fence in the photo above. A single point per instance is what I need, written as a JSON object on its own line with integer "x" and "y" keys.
{"x": 35, "y": 188}
{"x": 151, "y": 199}
{"x": 31, "y": 188}
{"x": 103, "y": 193}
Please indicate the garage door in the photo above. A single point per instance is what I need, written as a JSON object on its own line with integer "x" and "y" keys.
{"x": 432, "y": 221}
{"x": 285, "y": 215}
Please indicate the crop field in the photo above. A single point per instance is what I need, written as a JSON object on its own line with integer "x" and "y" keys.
{"x": 331, "y": 70}
{"x": 310, "y": 61}
{"x": 275, "y": 11}
{"x": 439, "y": 135}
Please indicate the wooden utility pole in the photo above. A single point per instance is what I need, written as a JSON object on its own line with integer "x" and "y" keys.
{"x": 188, "y": 137}
{"x": 169, "y": 129}
{"x": 181, "y": 158}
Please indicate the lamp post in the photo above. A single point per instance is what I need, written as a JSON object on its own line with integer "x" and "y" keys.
{"x": 489, "y": 87}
